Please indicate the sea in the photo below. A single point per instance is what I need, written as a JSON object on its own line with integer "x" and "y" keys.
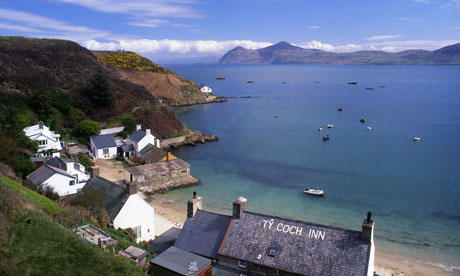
{"x": 411, "y": 188}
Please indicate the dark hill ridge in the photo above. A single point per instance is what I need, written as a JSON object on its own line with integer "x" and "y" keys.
{"x": 29, "y": 66}
{"x": 285, "y": 53}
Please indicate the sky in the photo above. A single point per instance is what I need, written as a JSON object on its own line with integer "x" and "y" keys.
{"x": 165, "y": 30}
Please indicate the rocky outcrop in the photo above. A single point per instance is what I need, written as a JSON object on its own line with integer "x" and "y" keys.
{"x": 194, "y": 138}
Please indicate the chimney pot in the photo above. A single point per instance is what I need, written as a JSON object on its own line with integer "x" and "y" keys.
{"x": 194, "y": 194}
{"x": 148, "y": 132}
{"x": 93, "y": 171}
{"x": 239, "y": 206}
{"x": 40, "y": 125}
{"x": 138, "y": 127}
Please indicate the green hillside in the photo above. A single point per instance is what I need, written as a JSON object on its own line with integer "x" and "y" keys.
{"x": 129, "y": 60}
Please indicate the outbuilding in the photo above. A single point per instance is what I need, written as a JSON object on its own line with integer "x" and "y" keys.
{"x": 103, "y": 146}
{"x": 177, "y": 262}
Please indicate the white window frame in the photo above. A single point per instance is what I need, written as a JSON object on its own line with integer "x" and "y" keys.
{"x": 242, "y": 263}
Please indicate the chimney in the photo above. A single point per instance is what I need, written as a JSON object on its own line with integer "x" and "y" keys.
{"x": 368, "y": 229}
{"x": 157, "y": 143}
{"x": 193, "y": 205}
{"x": 148, "y": 132}
{"x": 132, "y": 188}
{"x": 239, "y": 206}
{"x": 93, "y": 171}
{"x": 40, "y": 125}
{"x": 138, "y": 127}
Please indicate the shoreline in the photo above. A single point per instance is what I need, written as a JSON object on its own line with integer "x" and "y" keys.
{"x": 387, "y": 263}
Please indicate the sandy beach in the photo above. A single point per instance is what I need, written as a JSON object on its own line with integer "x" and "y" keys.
{"x": 173, "y": 214}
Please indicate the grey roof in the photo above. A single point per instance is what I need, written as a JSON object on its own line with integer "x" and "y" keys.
{"x": 177, "y": 260}
{"x": 137, "y": 135}
{"x": 104, "y": 141}
{"x": 158, "y": 167}
{"x": 43, "y": 173}
{"x": 336, "y": 252}
{"x": 156, "y": 155}
{"x": 57, "y": 163}
{"x": 126, "y": 148}
{"x": 164, "y": 241}
{"x": 203, "y": 234}
{"x": 134, "y": 253}
{"x": 114, "y": 195}
{"x": 37, "y": 159}
{"x": 146, "y": 149}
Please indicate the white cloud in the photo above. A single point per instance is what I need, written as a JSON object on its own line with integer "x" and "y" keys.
{"x": 141, "y": 8}
{"x": 175, "y": 48}
{"x": 452, "y": 4}
{"x": 55, "y": 28}
{"x": 383, "y": 37}
{"x": 456, "y": 28}
{"x": 314, "y": 27}
{"x": 5, "y": 26}
{"x": 422, "y": 1}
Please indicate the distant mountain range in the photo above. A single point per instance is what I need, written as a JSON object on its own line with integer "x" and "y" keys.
{"x": 285, "y": 53}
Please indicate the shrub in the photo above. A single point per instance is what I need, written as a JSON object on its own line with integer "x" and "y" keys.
{"x": 85, "y": 160}
{"x": 88, "y": 128}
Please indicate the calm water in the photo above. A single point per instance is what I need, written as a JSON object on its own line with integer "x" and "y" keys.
{"x": 412, "y": 188}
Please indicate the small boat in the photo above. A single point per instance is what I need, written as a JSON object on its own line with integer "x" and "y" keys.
{"x": 330, "y": 125}
{"x": 316, "y": 81}
{"x": 362, "y": 120}
{"x": 369, "y": 128}
{"x": 416, "y": 139}
{"x": 326, "y": 137}
{"x": 275, "y": 116}
{"x": 339, "y": 109}
{"x": 353, "y": 82}
{"x": 250, "y": 81}
{"x": 309, "y": 191}
{"x": 369, "y": 88}
{"x": 220, "y": 78}
{"x": 382, "y": 86}
{"x": 283, "y": 82}
{"x": 320, "y": 129}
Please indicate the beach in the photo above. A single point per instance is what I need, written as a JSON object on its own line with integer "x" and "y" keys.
{"x": 172, "y": 212}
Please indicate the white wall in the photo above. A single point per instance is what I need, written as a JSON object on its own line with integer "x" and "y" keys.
{"x": 148, "y": 139}
{"x": 370, "y": 268}
{"x": 60, "y": 184}
{"x": 100, "y": 153}
{"x": 137, "y": 212}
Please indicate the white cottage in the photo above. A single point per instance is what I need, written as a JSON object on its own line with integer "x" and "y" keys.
{"x": 138, "y": 141}
{"x": 125, "y": 207}
{"x": 62, "y": 182}
{"x": 103, "y": 146}
{"x": 48, "y": 141}
{"x": 206, "y": 89}
{"x": 74, "y": 168}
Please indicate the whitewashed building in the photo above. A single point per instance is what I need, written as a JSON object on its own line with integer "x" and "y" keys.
{"x": 49, "y": 143}
{"x": 77, "y": 170}
{"x": 206, "y": 89}
{"x": 62, "y": 182}
{"x": 103, "y": 146}
{"x": 125, "y": 207}
{"x": 139, "y": 140}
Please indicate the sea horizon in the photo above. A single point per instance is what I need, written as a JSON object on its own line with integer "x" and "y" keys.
{"x": 271, "y": 160}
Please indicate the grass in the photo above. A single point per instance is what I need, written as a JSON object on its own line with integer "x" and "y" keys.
{"x": 45, "y": 203}
{"x": 43, "y": 246}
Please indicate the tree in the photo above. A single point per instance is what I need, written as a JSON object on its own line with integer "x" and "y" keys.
{"x": 85, "y": 160}
{"x": 63, "y": 102}
{"x": 87, "y": 128}
{"x": 76, "y": 116}
{"x": 101, "y": 93}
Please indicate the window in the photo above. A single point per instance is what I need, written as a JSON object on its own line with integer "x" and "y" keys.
{"x": 71, "y": 182}
{"x": 242, "y": 263}
{"x": 272, "y": 252}
{"x": 137, "y": 231}
{"x": 42, "y": 142}
{"x": 105, "y": 151}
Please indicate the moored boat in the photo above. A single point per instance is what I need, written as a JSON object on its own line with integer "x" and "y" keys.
{"x": 416, "y": 139}
{"x": 275, "y": 116}
{"x": 369, "y": 88}
{"x": 330, "y": 125}
{"x": 326, "y": 137}
{"x": 250, "y": 81}
{"x": 313, "y": 192}
{"x": 320, "y": 129}
{"x": 353, "y": 82}
{"x": 362, "y": 120}
{"x": 369, "y": 128}
{"x": 339, "y": 109}
{"x": 220, "y": 78}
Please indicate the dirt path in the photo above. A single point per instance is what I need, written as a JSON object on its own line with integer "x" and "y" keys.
{"x": 111, "y": 169}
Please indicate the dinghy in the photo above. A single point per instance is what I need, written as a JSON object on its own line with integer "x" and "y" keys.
{"x": 309, "y": 191}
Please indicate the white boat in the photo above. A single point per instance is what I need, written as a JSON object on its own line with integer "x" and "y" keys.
{"x": 369, "y": 128}
{"x": 314, "y": 192}
{"x": 275, "y": 116}
{"x": 320, "y": 129}
{"x": 416, "y": 139}
{"x": 330, "y": 125}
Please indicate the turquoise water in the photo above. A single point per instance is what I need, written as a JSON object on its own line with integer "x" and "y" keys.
{"x": 412, "y": 188}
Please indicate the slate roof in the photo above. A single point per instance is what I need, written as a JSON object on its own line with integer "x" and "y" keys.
{"x": 178, "y": 260}
{"x": 156, "y": 155}
{"x": 133, "y": 253}
{"x": 164, "y": 241}
{"x": 57, "y": 163}
{"x": 43, "y": 173}
{"x": 339, "y": 252}
{"x": 137, "y": 135}
{"x": 146, "y": 149}
{"x": 104, "y": 141}
{"x": 115, "y": 196}
{"x": 126, "y": 148}
{"x": 203, "y": 234}
{"x": 158, "y": 167}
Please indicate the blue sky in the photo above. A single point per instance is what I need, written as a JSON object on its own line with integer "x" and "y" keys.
{"x": 173, "y": 29}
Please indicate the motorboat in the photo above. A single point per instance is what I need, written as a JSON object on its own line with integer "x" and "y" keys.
{"x": 220, "y": 78}
{"x": 320, "y": 129}
{"x": 326, "y": 137}
{"x": 339, "y": 109}
{"x": 309, "y": 191}
{"x": 369, "y": 88}
{"x": 362, "y": 120}
{"x": 249, "y": 81}
{"x": 353, "y": 82}
{"x": 416, "y": 139}
{"x": 283, "y": 82}
{"x": 330, "y": 125}
{"x": 275, "y": 116}
{"x": 369, "y": 128}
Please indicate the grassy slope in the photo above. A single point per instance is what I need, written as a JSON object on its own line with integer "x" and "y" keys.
{"x": 45, "y": 247}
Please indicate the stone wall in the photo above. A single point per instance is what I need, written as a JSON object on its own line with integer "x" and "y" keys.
{"x": 165, "y": 181}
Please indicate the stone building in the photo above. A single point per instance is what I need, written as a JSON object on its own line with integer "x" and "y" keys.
{"x": 161, "y": 176}
{"x": 256, "y": 244}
